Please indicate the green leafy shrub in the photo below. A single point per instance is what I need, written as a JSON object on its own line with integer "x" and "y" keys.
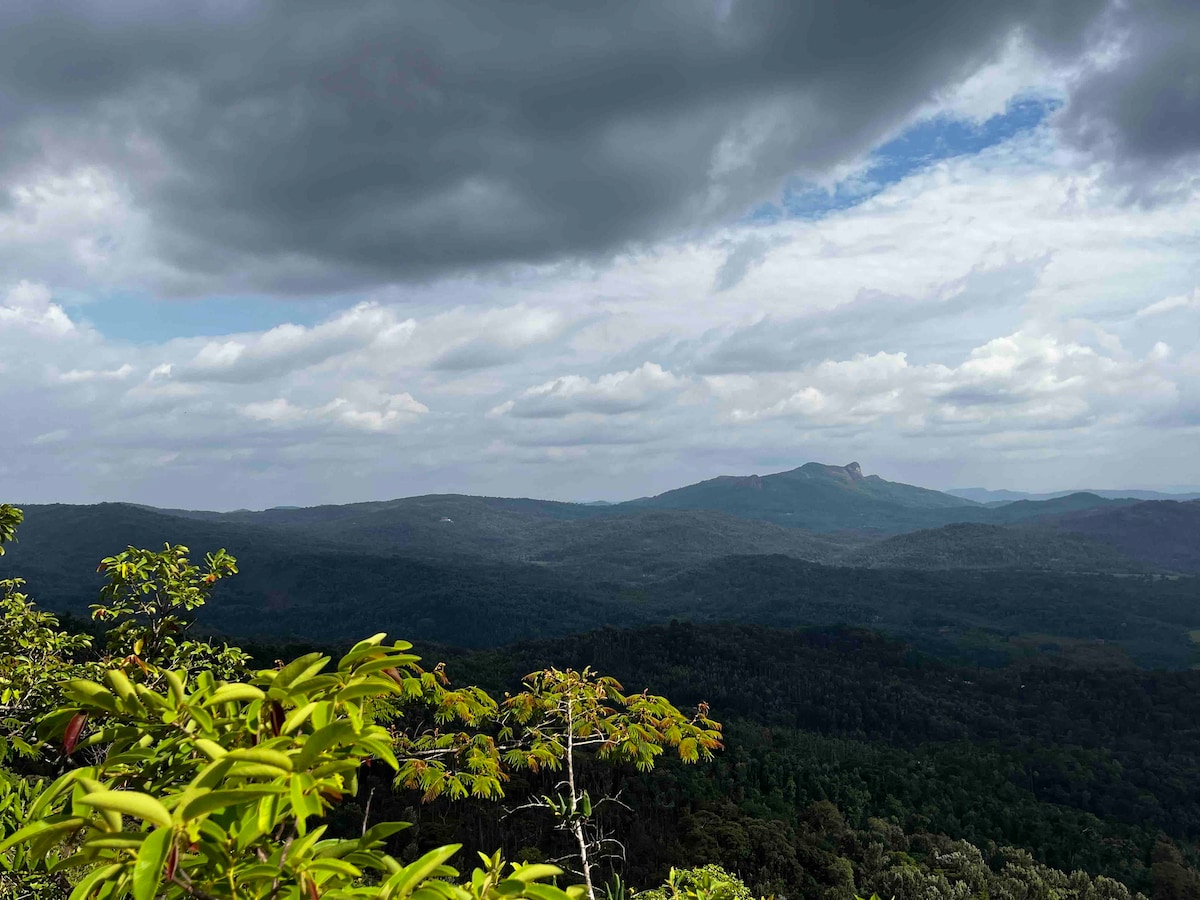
{"x": 205, "y": 780}
{"x": 213, "y": 789}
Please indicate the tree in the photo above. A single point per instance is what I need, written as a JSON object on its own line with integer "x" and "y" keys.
{"x": 149, "y": 599}
{"x": 10, "y": 518}
{"x": 35, "y": 657}
{"x": 562, "y": 715}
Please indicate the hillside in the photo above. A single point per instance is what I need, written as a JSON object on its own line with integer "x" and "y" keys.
{"x": 986, "y": 614}
{"x": 1084, "y": 767}
{"x": 1165, "y": 533}
{"x": 977, "y": 546}
{"x": 989, "y": 497}
{"x": 817, "y": 497}
{"x": 625, "y": 544}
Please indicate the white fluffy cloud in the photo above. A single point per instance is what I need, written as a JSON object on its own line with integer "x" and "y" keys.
{"x": 998, "y": 319}
{"x": 612, "y": 394}
{"x": 1017, "y": 383}
{"x": 27, "y": 307}
{"x": 388, "y": 412}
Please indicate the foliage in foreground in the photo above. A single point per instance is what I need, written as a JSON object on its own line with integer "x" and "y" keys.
{"x": 212, "y": 790}
{"x": 210, "y": 782}
{"x": 181, "y": 790}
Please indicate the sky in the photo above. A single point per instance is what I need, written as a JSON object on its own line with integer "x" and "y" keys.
{"x": 300, "y": 252}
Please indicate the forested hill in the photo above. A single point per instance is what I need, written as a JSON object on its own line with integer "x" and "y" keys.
{"x": 818, "y": 497}
{"x": 983, "y": 591}
{"x": 1085, "y": 767}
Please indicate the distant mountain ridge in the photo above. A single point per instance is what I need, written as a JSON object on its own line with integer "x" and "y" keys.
{"x": 986, "y": 496}
{"x": 814, "y": 545}
{"x": 493, "y": 550}
{"x": 815, "y": 496}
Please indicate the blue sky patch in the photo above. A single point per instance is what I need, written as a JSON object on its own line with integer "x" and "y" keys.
{"x": 142, "y": 319}
{"x": 925, "y": 143}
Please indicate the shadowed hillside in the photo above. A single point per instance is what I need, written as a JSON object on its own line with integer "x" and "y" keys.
{"x": 974, "y": 546}
{"x": 1163, "y": 532}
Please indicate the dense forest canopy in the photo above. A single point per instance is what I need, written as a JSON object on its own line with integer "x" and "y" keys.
{"x": 853, "y": 763}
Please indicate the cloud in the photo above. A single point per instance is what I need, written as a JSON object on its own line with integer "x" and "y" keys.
{"x": 389, "y": 412}
{"x": 312, "y": 147}
{"x": 872, "y": 319}
{"x": 743, "y": 256}
{"x": 469, "y": 339}
{"x": 28, "y": 306}
{"x": 975, "y": 322}
{"x": 609, "y": 395}
{"x": 1022, "y": 382}
{"x": 1138, "y": 105}
{"x": 76, "y": 376}
{"x": 290, "y": 347}
{"x": 1190, "y": 302}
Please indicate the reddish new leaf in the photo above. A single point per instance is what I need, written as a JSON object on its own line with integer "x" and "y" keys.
{"x": 74, "y": 728}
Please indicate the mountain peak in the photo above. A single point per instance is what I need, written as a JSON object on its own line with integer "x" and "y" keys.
{"x": 852, "y": 471}
{"x": 816, "y": 496}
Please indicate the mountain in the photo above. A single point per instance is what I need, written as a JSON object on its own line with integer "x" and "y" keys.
{"x": 817, "y": 497}
{"x": 989, "y": 497}
{"x": 1045, "y": 510}
{"x": 1165, "y": 533}
{"x": 977, "y": 546}
{"x": 351, "y": 572}
{"x": 554, "y": 544}
{"x": 613, "y": 542}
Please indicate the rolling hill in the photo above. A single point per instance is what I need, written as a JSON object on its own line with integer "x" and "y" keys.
{"x": 1165, "y": 533}
{"x": 816, "y": 497}
{"x": 976, "y": 546}
{"x": 334, "y": 578}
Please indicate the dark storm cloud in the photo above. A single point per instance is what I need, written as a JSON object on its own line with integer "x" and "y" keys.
{"x": 312, "y": 145}
{"x": 1141, "y": 110}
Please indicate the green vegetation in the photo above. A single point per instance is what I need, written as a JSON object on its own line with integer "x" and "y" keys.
{"x": 208, "y": 781}
{"x": 162, "y": 765}
{"x": 1082, "y": 767}
{"x": 956, "y": 586}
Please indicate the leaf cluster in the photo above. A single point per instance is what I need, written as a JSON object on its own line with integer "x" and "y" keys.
{"x": 35, "y": 657}
{"x": 563, "y": 711}
{"x": 148, "y": 602}
{"x": 214, "y": 789}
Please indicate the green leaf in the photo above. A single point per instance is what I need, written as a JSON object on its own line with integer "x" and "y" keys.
{"x": 297, "y": 717}
{"x": 359, "y": 650}
{"x": 403, "y": 882}
{"x": 120, "y": 684}
{"x": 302, "y": 667}
{"x": 272, "y": 758}
{"x": 98, "y": 876}
{"x": 214, "y": 800}
{"x": 211, "y": 749}
{"x": 237, "y": 693}
{"x": 123, "y": 841}
{"x": 34, "y": 829}
{"x": 545, "y": 892}
{"x": 320, "y": 740}
{"x": 89, "y": 692}
{"x": 536, "y": 872}
{"x": 381, "y": 832}
{"x": 150, "y": 859}
{"x": 130, "y": 803}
